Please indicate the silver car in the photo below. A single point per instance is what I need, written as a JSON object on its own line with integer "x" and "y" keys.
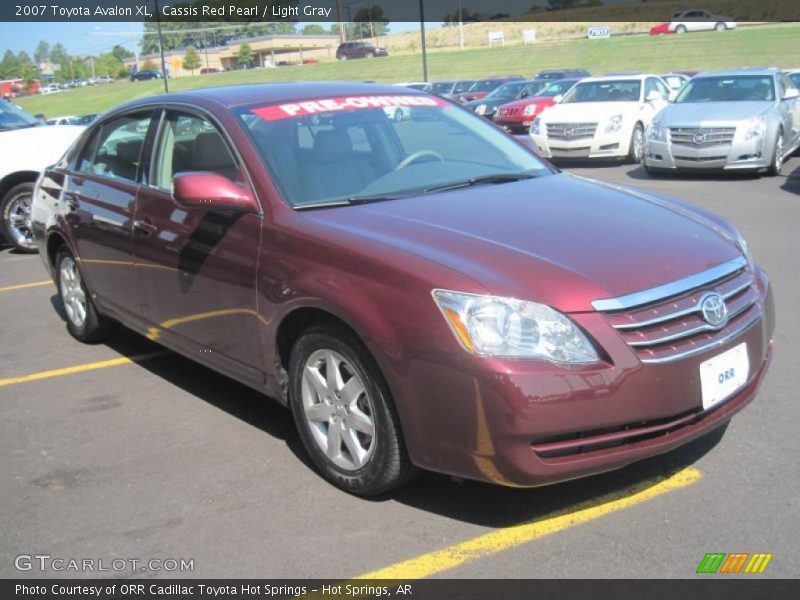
{"x": 733, "y": 120}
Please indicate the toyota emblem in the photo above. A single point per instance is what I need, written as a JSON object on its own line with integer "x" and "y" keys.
{"x": 714, "y": 310}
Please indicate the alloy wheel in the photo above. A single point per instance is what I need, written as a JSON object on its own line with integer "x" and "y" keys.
{"x": 638, "y": 144}
{"x": 72, "y": 292}
{"x": 778, "y": 161}
{"x": 18, "y": 215}
{"x": 338, "y": 410}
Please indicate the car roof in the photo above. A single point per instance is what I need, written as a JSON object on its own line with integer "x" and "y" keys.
{"x": 269, "y": 93}
{"x": 742, "y": 71}
{"x": 636, "y": 77}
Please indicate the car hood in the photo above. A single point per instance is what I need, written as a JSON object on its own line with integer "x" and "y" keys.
{"x": 34, "y": 148}
{"x": 494, "y": 102}
{"x": 523, "y": 102}
{"x": 561, "y": 240}
{"x": 707, "y": 113}
{"x": 580, "y": 112}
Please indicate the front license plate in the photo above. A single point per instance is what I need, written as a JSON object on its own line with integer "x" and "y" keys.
{"x": 722, "y": 375}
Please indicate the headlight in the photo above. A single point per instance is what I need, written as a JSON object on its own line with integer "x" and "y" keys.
{"x": 530, "y": 110}
{"x": 744, "y": 247}
{"x": 657, "y": 131}
{"x": 511, "y": 328}
{"x": 480, "y": 109}
{"x": 536, "y": 126}
{"x": 755, "y": 129}
{"x": 614, "y": 124}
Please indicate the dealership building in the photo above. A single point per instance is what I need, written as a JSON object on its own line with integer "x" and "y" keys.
{"x": 267, "y": 51}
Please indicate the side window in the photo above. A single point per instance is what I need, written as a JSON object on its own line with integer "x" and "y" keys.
{"x": 191, "y": 143}
{"x": 115, "y": 150}
{"x": 654, "y": 85}
{"x": 661, "y": 87}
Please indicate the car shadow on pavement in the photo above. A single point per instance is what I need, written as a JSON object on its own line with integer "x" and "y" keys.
{"x": 639, "y": 172}
{"x": 469, "y": 501}
{"x": 792, "y": 182}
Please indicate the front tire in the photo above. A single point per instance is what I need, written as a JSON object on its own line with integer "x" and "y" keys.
{"x": 720, "y": 27}
{"x": 15, "y": 217}
{"x": 344, "y": 413}
{"x": 636, "y": 149}
{"x": 776, "y": 167}
{"x": 84, "y": 322}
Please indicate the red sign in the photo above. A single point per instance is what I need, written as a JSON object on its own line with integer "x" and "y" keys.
{"x": 324, "y": 105}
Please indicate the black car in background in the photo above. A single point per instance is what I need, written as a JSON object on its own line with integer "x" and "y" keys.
{"x": 146, "y": 75}
{"x": 508, "y": 92}
{"x": 350, "y": 50}
{"x": 554, "y": 74}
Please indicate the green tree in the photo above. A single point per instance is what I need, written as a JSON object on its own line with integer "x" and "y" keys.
{"x": 121, "y": 52}
{"x": 9, "y": 66}
{"x": 108, "y": 64}
{"x": 191, "y": 60}
{"x": 42, "y": 52}
{"x": 58, "y": 53}
{"x": 314, "y": 29}
{"x": 370, "y": 22}
{"x": 245, "y": 55}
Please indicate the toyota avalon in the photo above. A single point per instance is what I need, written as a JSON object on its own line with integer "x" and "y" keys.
{"x": 424, "y": 293}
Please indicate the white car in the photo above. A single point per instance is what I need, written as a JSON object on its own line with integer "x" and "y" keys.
{"x": 699, "y": 20}
{"x": 601, "y": 117}
{"x": 65, "y": 120}
{"x": 26, "y": 148}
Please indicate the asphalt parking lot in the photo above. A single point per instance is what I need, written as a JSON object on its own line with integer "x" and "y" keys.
{"x": 110, "y": 451}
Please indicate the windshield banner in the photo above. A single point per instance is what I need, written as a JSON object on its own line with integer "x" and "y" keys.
{"x": 324, "y": 105}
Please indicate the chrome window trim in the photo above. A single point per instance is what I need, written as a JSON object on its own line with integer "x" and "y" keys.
{"x": 681, "y": 313}
{"x": 668, "y": 290}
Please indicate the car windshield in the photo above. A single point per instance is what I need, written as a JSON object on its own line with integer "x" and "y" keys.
{"x": 13, "y": 117}
{"x": 508, "y": 90}
{"x": 532, "y": 88}
{"x": 555, "y": 89}
{"x": 484, "y": 85}
{"x": 623, "y": 90}
{"x": 738, "y": 88}
{"x": 350, "y": 150}
{"x": 442, "y": 87}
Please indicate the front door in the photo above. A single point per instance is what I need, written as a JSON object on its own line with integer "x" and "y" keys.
{"x": 196, "y": 269}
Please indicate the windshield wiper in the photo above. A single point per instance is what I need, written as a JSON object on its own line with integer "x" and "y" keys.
{"x": 351, "y": 201}
{"x": 484, "y": 179}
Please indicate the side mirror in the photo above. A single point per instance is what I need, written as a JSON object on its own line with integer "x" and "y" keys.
{"x": 654, "y": 96}
{"x": 207, "y": 190}
{"x": 558, "y": 98}
{"x": 791, "y": 93}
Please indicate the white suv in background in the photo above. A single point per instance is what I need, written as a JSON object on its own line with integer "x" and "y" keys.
{"x": 699, "y": 20}
{"x": 601, "y": 117}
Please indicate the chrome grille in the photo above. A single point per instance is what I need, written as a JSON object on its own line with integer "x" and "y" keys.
{"x": 702, "y": 137}
{"x": 673, "y": 327}
{"x": 571, "y": 131}
{"x": 509, "y": 111}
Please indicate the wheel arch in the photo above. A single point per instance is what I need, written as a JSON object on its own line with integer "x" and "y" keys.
{"x": 12, "y": 180}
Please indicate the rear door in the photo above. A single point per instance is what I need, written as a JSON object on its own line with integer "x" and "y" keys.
{"x": 100, "y": 195}
{"x": 196, "y": 269}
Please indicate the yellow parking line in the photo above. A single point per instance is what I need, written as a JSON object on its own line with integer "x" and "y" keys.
{"x": 25, "y": 285}
{"x": 510, "y": 537}
{"x": 103, "y": 364}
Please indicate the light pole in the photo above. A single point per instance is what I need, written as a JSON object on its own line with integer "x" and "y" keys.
{"x": 164, "y": 74}
{"x": 422, "y": 35}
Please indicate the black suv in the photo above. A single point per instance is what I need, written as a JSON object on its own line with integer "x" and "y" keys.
{"x": 350, "y": 50}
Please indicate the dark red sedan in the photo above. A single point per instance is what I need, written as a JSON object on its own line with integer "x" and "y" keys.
{"x": 517, "y": 115}
{"x": 424, "y": 293}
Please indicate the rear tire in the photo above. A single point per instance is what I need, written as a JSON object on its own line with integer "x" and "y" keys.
{"x": 15, "y": 217}
{"x": 344, "y": 413}
{"x": 720, "y": 27}
{"x": 84, "y": 322}
{"x": 680, "y": 29}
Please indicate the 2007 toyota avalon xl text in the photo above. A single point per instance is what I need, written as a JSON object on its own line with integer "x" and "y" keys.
{"x": 422, "y": 293}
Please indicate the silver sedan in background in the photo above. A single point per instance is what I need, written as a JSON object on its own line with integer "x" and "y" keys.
{"x": 733, "y": 120}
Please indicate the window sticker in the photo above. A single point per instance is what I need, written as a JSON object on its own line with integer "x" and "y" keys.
{"x": 343, "y": 103}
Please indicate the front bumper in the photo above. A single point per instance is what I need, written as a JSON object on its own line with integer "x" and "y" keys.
{"x": 514, "y": 125}
{"x": 602, "y": 145}
{"x": 529, "y": 423}
{"x": 739, "y": 155}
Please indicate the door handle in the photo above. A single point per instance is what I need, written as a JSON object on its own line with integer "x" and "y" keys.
{"x": 144, "y": 227}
